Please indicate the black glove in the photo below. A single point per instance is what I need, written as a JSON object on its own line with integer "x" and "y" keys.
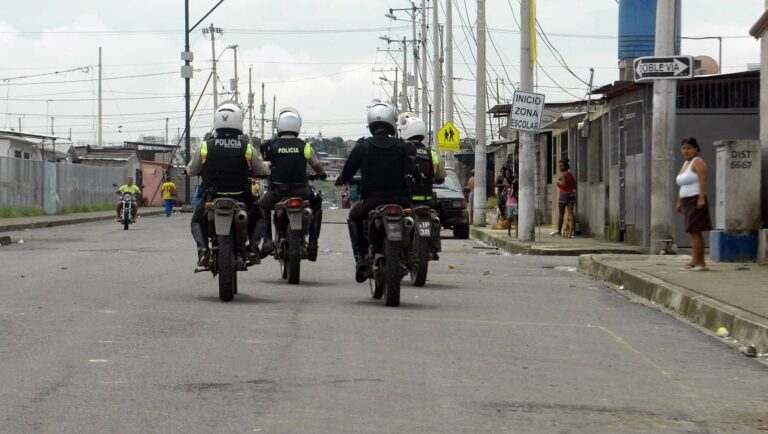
{"x": 339, "y": 182}
{"x": 324, "y": 176}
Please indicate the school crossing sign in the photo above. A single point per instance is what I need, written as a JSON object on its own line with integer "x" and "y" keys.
{"x": 448, "y": 138}
{"x": 527, "y": 108}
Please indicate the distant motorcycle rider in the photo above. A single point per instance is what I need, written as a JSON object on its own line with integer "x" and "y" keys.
{"x": 383, "y": 161}
{"x": 226, "y": 161}
{"x": 289, "y": 157}
{"x": 429, "y": 170}
{"x": 134, "y": 191}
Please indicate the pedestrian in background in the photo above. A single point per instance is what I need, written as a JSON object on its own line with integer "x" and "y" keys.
{"x": 512, "y": 207}
{"x": 503, "y": 182}
{"x": 169, "y": 195}
{"x": 692, "y": 201}
{"x": 566, "y": 183}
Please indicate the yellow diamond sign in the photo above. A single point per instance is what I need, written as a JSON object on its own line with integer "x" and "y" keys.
{"x": 448, "y": 138}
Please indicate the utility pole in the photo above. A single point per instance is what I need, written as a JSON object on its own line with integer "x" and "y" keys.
{"x": 415, "y": 46}
{"x": 187, "y": 74}
{"x": 478, "y": 204}
{"x": 166, "y": 131}
{"x": 527, "y": 194}
{"x": 437, "y": 77}
{"x": 274, "y": 120}
{"x": 263, "y": 109}
{"x": 250, "y": 102}
{"x": 424, "y": 84}
{"x": 100, "y": 137}
{"x": 449, "y": 61}
{"x": 663, "y": 134}
{"x": 213, "y": 31}
{"x": 236, "y": 89}
{"x": 394, "y": 90}
{"x": 405, "y": 75}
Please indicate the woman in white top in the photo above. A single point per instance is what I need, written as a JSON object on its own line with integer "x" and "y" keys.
{"x": 692, "y": 201}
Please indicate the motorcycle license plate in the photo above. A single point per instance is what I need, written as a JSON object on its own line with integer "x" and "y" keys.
{"x": 425, "y": 229}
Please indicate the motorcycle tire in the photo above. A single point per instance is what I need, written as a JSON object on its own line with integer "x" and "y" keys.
{"x": 376, "y": 284}
{"x": 226, "y": 263}
{"x": 294, "y": 257}
{"x": 125, "y": 225}
{"x": 392, "y": 274}
{"x": 420, "y": 267}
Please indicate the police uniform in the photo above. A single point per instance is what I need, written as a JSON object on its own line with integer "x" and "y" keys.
{"x": 383, "y": 161}
{"x": 429, "y": 172}
{"x": 225, "y": 161}
{"x": 289, "y": 157}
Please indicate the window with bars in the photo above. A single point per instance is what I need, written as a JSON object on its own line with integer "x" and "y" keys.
{"x": 739, "y": 93}
{"x": 17, "y": 153}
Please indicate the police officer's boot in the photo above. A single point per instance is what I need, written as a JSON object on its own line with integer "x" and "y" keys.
{"x": 358, "y": 249}
{"x": 202, "y": 244}
{"x": 267, "y": 247}
{"x": 314, "y": 234}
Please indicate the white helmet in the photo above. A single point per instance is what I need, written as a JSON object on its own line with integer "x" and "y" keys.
{"x": 288, "y": 121}
{"x": 411, "y": 127}
{"x": 228, "y": 115}
{"x": 382, "y": 114}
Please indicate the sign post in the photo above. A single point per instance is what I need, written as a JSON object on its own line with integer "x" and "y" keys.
{"x": 527, "y": 108}
{"x": 448, "y": 138}
{"x": 667, "y": 67}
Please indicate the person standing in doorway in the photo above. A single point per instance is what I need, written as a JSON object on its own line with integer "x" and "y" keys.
{"x": 566, "y": 183}
{"x": 692, "y": 201}
{"x": 169, "y": 195}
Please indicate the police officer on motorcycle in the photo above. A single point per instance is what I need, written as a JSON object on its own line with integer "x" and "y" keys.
{"x": 383, "y": 161}
{"x": 225, "y": 160}
{"x": 289, "y": 157}
{"x": 429, "y": 170}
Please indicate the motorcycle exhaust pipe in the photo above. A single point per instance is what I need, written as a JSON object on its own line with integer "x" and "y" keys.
{"x": 408, "y": 225}
{"x": 241, "y": 224}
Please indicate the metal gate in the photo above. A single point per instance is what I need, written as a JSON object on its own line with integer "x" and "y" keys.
{"x": 629, "y": 154}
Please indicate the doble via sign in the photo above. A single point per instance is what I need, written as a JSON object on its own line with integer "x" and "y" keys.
{"x": 527, "y": 108}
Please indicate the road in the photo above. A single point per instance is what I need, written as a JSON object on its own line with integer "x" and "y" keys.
{"x": 103, "y": 330}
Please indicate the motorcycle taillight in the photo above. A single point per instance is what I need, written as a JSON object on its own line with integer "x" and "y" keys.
{"x": 294, "y": 203}
{"x": 393, "y": 210}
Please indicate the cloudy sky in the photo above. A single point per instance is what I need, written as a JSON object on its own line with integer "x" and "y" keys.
{"x": 317, "y": 56}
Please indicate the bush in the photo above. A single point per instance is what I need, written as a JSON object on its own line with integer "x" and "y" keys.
{"x": 491, "y": 203}
{"x": 9, "y": 211}
{"x": 94, "y": 207}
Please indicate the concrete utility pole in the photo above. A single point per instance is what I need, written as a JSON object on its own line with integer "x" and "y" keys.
{"x": 437, "y": 79}
{"x": 663, "y": 134}
{"x": 237, "y": 83}
{"x": 424, "y": 84}
{"x": 187, "y": 56}
{"x": 166, "y": 131}
{"x": 527, "y": 194}
{"x": 250, "y": 102}
{"x": 274, "y": 119}
{"x": 262, "y": 109}
{"x": 213, "y": 31}
{"x": 478, "y": 205}
{"x": 415, "y": 47}
{"x": 449, "y": 61}
{"x": 99, "y": 142}
{"x": 405, "y": 75}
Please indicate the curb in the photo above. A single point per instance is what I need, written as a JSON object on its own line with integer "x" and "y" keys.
{"x": 700, "y": 309}
{"x": 526, "y": 249}
{"x": 64, "y": 222}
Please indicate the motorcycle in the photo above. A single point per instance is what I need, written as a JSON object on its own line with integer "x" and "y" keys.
{"x": 126, "y": 200}
{"x": 293, "y": 217}
{"x": 386, "y": 229}
{"x": 227, "y": 223}
{"x": 425, "y": 222}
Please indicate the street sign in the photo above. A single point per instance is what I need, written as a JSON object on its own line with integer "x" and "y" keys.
{"x": 448, "y": 138}
{"x": 527, "y": 108}
{"x": 667, "y": 67}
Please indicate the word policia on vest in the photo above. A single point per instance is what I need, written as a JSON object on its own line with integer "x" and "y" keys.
{"x": 227, "y": 143}
{"x": 288, "y": 150}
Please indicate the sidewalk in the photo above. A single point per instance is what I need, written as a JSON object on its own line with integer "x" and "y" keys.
{"x": 544, "y": 244}
{"x": 21, "y": 223}
{"x": 734, "y": 296}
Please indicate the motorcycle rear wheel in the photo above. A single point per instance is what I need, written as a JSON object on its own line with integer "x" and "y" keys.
{"x": 392, "y": 274}
{"x": 226, "y": 264}
{"x": 294, "y": 256}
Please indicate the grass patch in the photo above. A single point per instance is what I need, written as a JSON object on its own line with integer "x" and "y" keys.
{"x": 9, "y": 212}
{"x": 74, "y": 209}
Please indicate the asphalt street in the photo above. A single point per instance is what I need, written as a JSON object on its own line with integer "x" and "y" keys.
{"x": 105, "y": 330}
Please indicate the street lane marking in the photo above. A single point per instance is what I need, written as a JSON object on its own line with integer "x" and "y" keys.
{"x": 98, "y": 360}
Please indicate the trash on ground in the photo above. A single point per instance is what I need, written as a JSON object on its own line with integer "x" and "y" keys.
{"x": 21, "y": 241}
{"x": 723, "y": 332}
{"x": 750, "y": 351}
{"x": 486, "y": 272}
{"x": 451, "y": 266}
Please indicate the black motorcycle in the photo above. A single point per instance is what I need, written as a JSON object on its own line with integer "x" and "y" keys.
{"x": 424, "y": 222}
{"x": 293, "y": 218}
{"x": 386, "y": 229}
{"x": 227, "y": 223}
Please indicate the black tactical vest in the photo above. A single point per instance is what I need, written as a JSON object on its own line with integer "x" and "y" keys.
{"x": 384, "y": 167}
{"x": 226, "y": 168}
{"x": 425, "y": 179}
{"x": 289, "y": 165}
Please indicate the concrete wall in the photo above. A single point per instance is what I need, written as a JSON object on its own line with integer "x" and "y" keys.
{"x": 21, "y": 184}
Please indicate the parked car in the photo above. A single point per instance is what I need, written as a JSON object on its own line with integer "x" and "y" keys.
{"x": 453, "y": 206}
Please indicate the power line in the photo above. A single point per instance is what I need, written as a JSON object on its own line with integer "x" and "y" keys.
{"x": 155, "y": 74}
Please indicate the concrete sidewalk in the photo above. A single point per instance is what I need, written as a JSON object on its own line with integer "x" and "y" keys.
{"x": 21, "y": 223}
{"x": 734, "y": 296}
{"x": 551, "y": 246}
